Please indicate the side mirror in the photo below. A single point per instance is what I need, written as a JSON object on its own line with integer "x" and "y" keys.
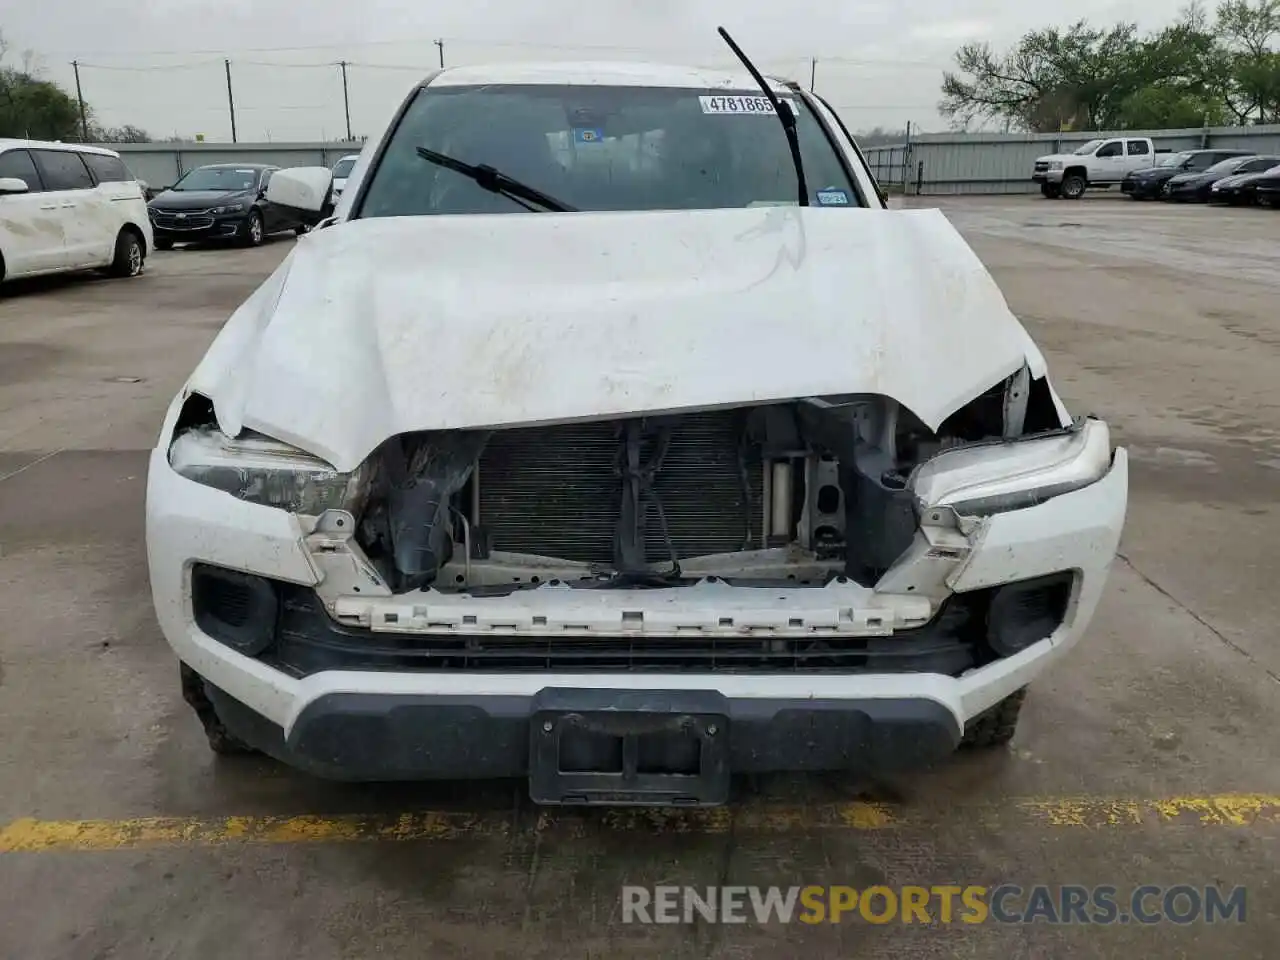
{"x": 303, "y": 188}
{"x": 13, "y": 185}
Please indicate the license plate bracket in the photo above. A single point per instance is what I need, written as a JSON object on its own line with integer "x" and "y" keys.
{"x": 629, "y": 748}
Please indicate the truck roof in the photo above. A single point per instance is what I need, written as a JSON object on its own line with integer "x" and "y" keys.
{"x": 602, "y": 73}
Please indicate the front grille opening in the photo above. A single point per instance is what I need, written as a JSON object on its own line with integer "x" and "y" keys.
{"x": 556, "y": 491}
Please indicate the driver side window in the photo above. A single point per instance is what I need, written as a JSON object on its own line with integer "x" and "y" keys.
{"x": 1112, "y": 149}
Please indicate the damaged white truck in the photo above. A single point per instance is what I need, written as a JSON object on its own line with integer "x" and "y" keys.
{"x": 611, "y": 433}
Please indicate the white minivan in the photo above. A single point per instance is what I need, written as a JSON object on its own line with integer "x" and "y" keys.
{"x": 69, "y": 207}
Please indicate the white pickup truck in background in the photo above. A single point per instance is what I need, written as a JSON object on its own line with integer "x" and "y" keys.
{"x": 1098, "y": 163}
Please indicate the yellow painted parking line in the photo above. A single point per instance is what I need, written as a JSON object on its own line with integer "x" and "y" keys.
{"x": 30, "y": 835}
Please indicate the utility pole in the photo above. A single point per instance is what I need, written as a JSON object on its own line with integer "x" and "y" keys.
{"x": 84, "y": 122}
{"x": 440, "y": 44}
{"x": 346, "y": 102}
{"x": 231, "y": 101}
{"x": 813, "y": 72}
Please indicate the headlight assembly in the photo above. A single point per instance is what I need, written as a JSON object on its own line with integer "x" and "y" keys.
{"x": 227, "y": 208}
{"x": 1055, "y": 164}
{"x": 994, "y": 477}
{"x": 265, "y": 471}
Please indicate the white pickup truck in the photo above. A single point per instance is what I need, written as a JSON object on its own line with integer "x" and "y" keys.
{"x": 1098, "y": 163}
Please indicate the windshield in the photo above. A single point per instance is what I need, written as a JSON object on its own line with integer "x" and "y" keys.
{"x": 218, "y": 178}
{"x": 342, "y": 168}
{"x": 601, "y": 148}
{"x": 1175, "y": 159}
{"x": 1225, "y": 166}
{"x": 1089, "y": 147}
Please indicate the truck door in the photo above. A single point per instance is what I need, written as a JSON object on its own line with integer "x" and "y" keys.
{"x": 1108, "y": 162}
{"x": 1137, "y": 154}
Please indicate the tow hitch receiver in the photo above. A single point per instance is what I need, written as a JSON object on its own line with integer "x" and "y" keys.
{"x": 629, "y": 747}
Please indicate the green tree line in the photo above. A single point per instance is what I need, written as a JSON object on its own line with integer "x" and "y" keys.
{"x": 1221, "y": 69}
{"x": 37, "y": 109}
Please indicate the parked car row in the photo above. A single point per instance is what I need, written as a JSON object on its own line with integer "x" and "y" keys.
{"x": 1144, "y": 173}
{"x": 1195, "y": 176}
{"x": 70, "y": 207}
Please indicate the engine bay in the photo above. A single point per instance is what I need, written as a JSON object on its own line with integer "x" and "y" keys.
{"x": 793, "y": 493}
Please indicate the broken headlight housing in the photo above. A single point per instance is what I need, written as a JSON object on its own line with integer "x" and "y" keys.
{"x": 264, "y": 471}
{"x": 984, "y": 478}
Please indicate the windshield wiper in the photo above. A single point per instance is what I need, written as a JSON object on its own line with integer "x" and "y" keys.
{"x": 786, "y": 117}
{"x": 495, "y": 181}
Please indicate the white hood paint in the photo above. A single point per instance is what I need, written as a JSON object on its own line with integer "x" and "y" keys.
{"x": 377, "y": 327}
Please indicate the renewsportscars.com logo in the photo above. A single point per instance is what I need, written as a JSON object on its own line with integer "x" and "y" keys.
{"x": 1006, "y": 903}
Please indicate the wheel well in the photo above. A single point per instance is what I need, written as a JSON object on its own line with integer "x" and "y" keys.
{"x": 1, "y": 265}
{"x": 1070, "y": 171}
{"x": 137, "y": 232}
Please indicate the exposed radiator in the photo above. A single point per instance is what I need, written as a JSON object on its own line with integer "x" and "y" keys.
{"x": 556, "y": 491}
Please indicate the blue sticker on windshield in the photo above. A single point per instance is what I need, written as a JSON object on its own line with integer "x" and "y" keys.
{"x": 587, "y": 135}
{"x": 831, "y": 197}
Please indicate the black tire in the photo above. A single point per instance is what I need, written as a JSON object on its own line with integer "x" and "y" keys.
{"x": 254, "y": 233}
{"x": 1050, "y": 191}
{"x": 164, "y": 244}
{"x": 1073, "y": 186}
{"x": 995, "y": 726}
{"x": 130, "y": 255}
{"x": 221, "y": 740}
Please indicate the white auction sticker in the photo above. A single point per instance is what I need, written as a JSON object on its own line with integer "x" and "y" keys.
{"x": 741, "y": 105}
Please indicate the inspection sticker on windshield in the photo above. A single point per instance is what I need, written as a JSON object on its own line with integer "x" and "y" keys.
{"x": 760, "y": 105}
{"x": 588, "y": 135}
{"x": 831, "y": 197}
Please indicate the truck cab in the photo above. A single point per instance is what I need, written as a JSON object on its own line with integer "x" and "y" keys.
{"x": 1098, "y": 163}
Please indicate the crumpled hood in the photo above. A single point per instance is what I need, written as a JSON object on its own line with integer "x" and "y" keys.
{"x": 377, "y": 327}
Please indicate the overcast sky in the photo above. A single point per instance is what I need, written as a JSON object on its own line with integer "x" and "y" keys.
{"x": 873, "y": 64}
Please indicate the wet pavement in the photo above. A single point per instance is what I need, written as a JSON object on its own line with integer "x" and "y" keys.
{"x": 1148, "y": 756}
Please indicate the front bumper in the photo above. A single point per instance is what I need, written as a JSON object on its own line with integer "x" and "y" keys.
{"x": 1047, "y": 176}
{"x": 476, "y": 736}
{"x": 380, "y": 721}
{"x": 1186, "y": 192}
{"x": 1140, "y": 188}
{"x": 168, "y": 226}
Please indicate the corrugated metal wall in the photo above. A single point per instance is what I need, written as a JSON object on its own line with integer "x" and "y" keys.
{"x": 952, "y": 163}
{"x": 940, "y": 163}
{"x": 160, "y": 164}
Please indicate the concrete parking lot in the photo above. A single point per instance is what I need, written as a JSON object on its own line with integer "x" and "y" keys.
{"x": 1149, "y": 756}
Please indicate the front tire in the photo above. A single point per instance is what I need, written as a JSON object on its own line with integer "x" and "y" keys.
{"x": 996, "y": 725}
{"x": 1050, "y": 191}
{"x": 1073, "y": 186}
{"x": 253, "y": 232}
{"x": 221, "y": 740}
{"x": 129, "y": 256}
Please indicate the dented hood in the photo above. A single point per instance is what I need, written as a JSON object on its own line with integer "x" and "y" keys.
{"x": 377, "y": 327}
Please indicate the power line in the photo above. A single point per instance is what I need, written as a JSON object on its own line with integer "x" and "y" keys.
{"x": 501, "y": 44}
{"x": 164, "y": 66}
